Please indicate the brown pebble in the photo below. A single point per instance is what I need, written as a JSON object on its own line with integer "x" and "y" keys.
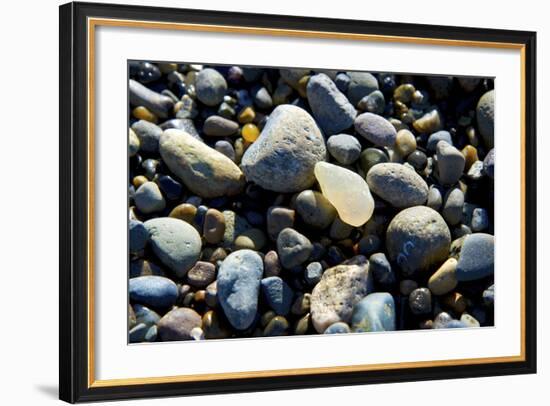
{"x": 177, "y": 324}
{"x": 218, "y": 254}
{"x": 185, "y": 212}
{"x": 139, "y": 180}
{"x": 202, "y": 274}
{"x": 303, "y": 325}
{"x": 456, "y": 302}
{"x": 214, "y": 226}
{"x": 143, "y": 113}
{"x": 213, "y": 327}
{"x": 211, "y": 298}
{"x": 272, "y": 266}
{"x": 302, "y": 304}
{"x": 470, "y": 154}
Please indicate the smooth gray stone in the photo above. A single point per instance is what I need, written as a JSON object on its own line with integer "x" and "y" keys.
{"x": 376, "y": 129}
{"x": 148, "y": 135}
{"x": 157, "y": 103}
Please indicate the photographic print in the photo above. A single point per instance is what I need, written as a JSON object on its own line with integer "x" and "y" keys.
{"x": 275, "y": 201}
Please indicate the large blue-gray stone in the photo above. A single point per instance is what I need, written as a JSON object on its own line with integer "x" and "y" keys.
{"x": 238, "y": 286}
{"x": 283, "y": 158}
{"x": 154, "y": 291}
{"x": 277, "y": 294}
{"x": 330, "y": 107}
{"x": 376, "y": 312}
{"x": 176, "y": 243}
{"x": 477, "y": 257}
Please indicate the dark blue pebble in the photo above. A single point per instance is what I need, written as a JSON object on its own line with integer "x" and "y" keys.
{"x": 154, "y": 291}
{"x": 255, "y": 218}
{"x": 170, "y": 187}
{"x": 381, "y": 269}
{"x": 138, "y": 236}
{"x": 277, "y": 294}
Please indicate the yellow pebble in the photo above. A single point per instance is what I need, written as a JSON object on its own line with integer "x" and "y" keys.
{"x": 250, "y": 132}
{"x": 143, "y": 113}
{"x": 139, "y": 180}
{"x": 247, "y": 115}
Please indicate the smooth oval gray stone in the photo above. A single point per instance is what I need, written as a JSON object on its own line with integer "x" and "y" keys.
{"x": 262, "y": 99}
{"x": 148, "y": 135}
{"x": 485, "y": 114}
{"x": 204, "y": 171}
{"x": 398, "y": 185}
{"x": 412, "y": 244}
{"x": 157, "y": 103}
{"x": 277, "y": 294}
{"x": 453, "y": 206}
{"x": 293, "y": 248}
{"x": 344, "y": 148}
{"x": 226, "y": 148}
{"x": 238, "y": 287}
{"x": 210, "y": 86}
{"x": 450, "y": 163}
{"x": 434, "y": 138}
{"x": 376, "y": 312}
{"x": 435, "y": 199}
{"x": 376, "y": 129}
{"x": 361, "y": 84}
{"x": 176, "y": 243}
{"x": 283, "y": 158}
{"x": 330, "y": 107}
{"x": 477, "y": 257}
{"x": 315, "y": 209}
{"x": 337, "y": 328}
{"x": 149, "y": 199}
{"x": 154, "y": 291}
{"x": 218, "y": 126}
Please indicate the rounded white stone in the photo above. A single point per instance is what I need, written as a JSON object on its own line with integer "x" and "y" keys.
{"x": 347, "y": 191}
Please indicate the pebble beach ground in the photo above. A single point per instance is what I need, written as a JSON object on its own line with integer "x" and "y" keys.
{"x": 270, "y": 202}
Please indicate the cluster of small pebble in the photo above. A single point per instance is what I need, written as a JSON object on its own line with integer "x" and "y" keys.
{"x": 268, "y": 202}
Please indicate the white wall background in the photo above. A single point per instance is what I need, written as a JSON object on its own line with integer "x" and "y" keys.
{"x": 29, "y": 200}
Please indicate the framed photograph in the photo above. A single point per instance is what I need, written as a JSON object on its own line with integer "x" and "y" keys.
{"x": 255, "y": 202}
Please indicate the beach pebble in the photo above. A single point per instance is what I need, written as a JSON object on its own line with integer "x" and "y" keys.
{"x": 420, "y": 301}
{"x": 176, "y": 243}
{"x": 213, "y": 226}
{"x": 154, "y": 291}
{"x": 434, "y": 139}
{"x": 178, "y": 323}
{"x": 370, "y": 157}
{"x": 272, "y": 266}
{"x": 429, "y": 122}
{"x": 340, "y": 288}
{"x": 138, "y": 236}
{"x": 444, "y": 279}
{"x": 397, "y": 184}
{"x": 450, "y": 163}
{"x": 485, "y": 115}
{"x": 480, "y": 220}
{"x": 293, "y": 248}
{"x": 339, "y": 230}
{"x": 202, "y": 169}
{"x": 347, "y": 192}
{"x": 315, "y": 209}
{"x": 133, "y": 143}
{"x": 381, "y": 269}
{"x": 157, "y": 103}
{"x": 210, "y": 86}
{"x": 279, "y": 218}
{"x": 373, "y": 103}
{"x": 453, "y": 206}
{"x": 405, "y": 143}
{"x": 283, "y": 157}
{"x": 435, "y": 199}
{"x": 330, "y": 107}
{"x": 202, "y": 274}
{"x": 489, "y": 164}
{"x": 148, "y": 135}
{"x": 149, "y": 199}
{"x": 218, "y": 126}
{"x": 344, "y": 148}
{"x": 376, "y": 129}
{"x": 488, "y": 296}
{"x": 277, "y": 326}
{"x": 277, "y": 294}
{"x": 417, "y": 239}
{"x": 477, "y": 257}
{"x": 376, "y": 312}
{"x": 361, "y": 84}
{"x": 238, "y": 287}
{"x": 313, "y": 273}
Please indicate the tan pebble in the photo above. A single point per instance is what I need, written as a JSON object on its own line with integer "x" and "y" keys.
{"x": 405, "y": 142}
{"x": 444, "y": 279}
{"x": 185, "y": 212}
{"x": 253, "y": 239}
{"x": 143, "y": 113}
{"x": 470, "y": 154}
{"x": 139, "y": 180}
{"x": 214, "y": 226}
{"x": 404, "y": 93}
{"x": 247, "y": 115}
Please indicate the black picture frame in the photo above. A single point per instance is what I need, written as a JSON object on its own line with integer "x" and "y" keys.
{"x": 74, "y": 199}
